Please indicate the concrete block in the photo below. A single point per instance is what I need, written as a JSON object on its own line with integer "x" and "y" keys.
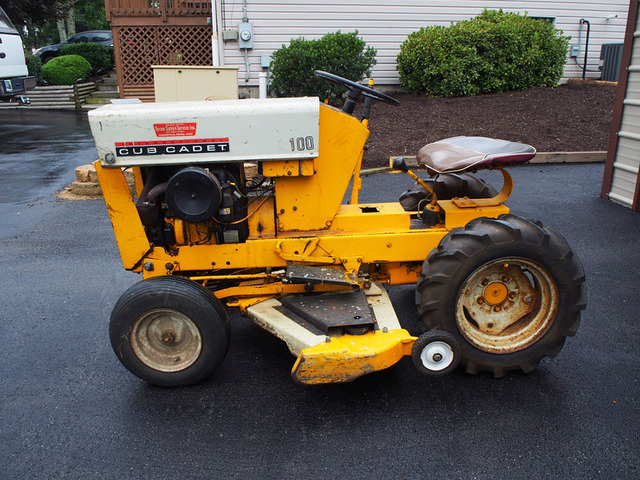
{"x": 86, "y": 173}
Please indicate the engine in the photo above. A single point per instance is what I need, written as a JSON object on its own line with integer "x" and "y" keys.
{"x": 194, "y": 204}
{"x": 191, "y": 156}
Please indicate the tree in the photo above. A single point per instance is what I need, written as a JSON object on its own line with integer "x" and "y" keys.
{"x": 49, "y": 21}
{"x": 65, "y": 19}
{"x": 36, "y": 12}
{"x": 91, "y": 14}
{"x": 29, "y": 16}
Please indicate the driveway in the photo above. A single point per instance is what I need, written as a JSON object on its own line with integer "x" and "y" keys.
{"x": 68, "y": 409}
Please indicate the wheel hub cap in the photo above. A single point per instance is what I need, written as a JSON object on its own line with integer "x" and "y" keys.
{"x": 496, "y": 293}
{"x": 506, "y": 305}
{"x": 166, "y": 340}
{"x": 436, "y": 356}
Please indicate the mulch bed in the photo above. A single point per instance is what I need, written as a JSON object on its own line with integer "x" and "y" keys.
{"x": 570, "y": 118}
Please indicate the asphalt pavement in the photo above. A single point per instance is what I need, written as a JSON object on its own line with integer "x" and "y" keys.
{"x": 69, "y": 409}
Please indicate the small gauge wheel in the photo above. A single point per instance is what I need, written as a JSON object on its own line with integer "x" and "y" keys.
{"x": 435, "y": 353}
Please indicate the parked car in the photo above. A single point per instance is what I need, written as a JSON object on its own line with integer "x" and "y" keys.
{"x": 104, "y": 37}
{"x": 14, "y": 75}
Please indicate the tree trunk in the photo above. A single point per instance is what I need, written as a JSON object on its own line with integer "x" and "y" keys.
{"x": 65, "y": 19}
{"x": 62, "y": 31}
{"x": 71, "y": 22}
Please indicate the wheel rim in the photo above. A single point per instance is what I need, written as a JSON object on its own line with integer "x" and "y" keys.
{"x": 166, "y": 340}
{"x": 506, "y": 305}
{"x": 436, "y": 356}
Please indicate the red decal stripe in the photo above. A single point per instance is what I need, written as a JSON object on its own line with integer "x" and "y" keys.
{"x": 170, "y": 142}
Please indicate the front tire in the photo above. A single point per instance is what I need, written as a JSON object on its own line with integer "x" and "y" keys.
{"x": 169, "y": 331}
{"x": 509, "y": 290}
{"x": 435, "y": 353}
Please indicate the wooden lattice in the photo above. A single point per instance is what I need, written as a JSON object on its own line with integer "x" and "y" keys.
{"x": 140, "y": 47}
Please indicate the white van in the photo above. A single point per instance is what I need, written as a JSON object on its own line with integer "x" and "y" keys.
{"x": 14, "y": 76}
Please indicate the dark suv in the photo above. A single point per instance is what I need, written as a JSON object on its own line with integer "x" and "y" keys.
{"x": 104, "y": 37}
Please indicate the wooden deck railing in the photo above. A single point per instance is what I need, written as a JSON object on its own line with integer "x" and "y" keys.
{"x": 156, "y": 8}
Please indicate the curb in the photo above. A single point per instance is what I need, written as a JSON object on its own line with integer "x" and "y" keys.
{"x": 86, "y": 185}
{"x": 540, "y": 158}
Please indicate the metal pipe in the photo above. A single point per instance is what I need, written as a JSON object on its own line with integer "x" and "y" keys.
{"x": 245, "y": 18}
{"x": 247, "y": 66}
{"x": 586, "y": 46}
{"x": 215, "y": 47}
{"x": 262, "y": 85}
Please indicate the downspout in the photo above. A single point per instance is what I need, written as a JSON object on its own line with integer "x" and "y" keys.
{"x": 219, "y": 26}
{"x": 215, "y": 45}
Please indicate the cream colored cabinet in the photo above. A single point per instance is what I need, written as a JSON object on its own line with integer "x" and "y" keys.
{"x": 175, "y": 83}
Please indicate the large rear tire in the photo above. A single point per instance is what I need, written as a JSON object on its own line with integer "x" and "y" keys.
{"x": 509, "y": 290}
{"x": 169, "y": 331}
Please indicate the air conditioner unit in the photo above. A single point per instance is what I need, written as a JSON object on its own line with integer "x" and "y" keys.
{"x": 610, "y": 58}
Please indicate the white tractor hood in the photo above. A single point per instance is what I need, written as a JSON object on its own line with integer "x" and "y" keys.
{"x": 208, "y": 131}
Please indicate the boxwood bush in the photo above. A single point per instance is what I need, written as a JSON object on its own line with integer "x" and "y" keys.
{"x": 343, "y": 54}
{"x": 65, "y": 70}
{"x": 99, "y": 56}
{"x": 494, "y": 52}
{"x": 34, "y": 65}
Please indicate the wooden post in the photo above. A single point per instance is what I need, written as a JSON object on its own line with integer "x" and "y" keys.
{"x": 76, "y": 95}
{"x": 107, "y": 10}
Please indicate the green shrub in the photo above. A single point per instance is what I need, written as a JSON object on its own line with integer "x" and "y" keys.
{"x": 99, "y": 56}
{"x": 494, "y": 52}
{"x": 34, "y": 65}
{"x": 343, "y": 54}
{"x": 65, "y": 70}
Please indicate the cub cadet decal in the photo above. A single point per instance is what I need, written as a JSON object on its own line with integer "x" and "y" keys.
{"x": 175, "y": 129}
{"x": 172, "y": 147}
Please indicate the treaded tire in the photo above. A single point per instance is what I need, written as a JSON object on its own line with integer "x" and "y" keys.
{"x": 522, "y": 262}
{"x": 435, "y": 353}
{"x": 169, "y": 331}
{"x": 446, "y": 187}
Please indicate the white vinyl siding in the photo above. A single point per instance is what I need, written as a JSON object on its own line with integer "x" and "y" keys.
{"x": 626, "y": 164}
{"x": 385, "y": 25}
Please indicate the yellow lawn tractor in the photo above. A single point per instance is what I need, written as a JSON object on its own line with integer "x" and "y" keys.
{"x": 243, "y": 204}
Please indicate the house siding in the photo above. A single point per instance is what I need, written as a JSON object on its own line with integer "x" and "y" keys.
{"x": 386, "y": 24}
{"x": 622, "y": 172}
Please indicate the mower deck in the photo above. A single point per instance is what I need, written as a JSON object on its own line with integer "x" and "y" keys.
{"x": 314, "y": 326}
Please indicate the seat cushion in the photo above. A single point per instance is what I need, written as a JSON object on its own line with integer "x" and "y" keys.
{"x": 458, "y": 154}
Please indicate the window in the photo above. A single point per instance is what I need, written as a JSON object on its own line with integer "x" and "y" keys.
{"x": 5, "y": 24}
{"x": 79, "y": 38}
{"x": 551, "y": 20}
{"x": 101, "y": 37}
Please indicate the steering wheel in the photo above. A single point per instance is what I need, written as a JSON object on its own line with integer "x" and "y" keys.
{"x": 355, "y": 91}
